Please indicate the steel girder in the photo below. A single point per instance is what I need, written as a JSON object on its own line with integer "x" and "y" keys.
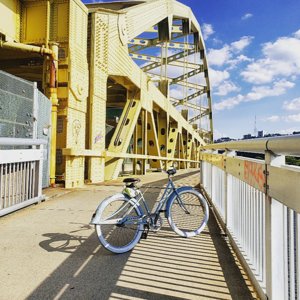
{"x": 153, "y": 133}
{"x": 110, "y": 109}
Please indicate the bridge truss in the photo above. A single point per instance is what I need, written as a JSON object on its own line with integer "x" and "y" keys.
{"x": 128, "y": 82}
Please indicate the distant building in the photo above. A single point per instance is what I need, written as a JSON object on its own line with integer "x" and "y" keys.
{"x": 247, "y": 136}
{"x": 260, "y": 133}
{"x": 223, "y": 139}
{"x": 273, "y": 134}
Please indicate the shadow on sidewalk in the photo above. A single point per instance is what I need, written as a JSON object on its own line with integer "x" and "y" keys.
{"x": 164, "y": 266}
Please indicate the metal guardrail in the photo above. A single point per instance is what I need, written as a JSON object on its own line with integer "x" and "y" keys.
{"x": 20, "y": 173}
{"x": 258, "y": 204}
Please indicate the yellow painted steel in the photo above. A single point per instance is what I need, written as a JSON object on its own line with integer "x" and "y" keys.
{"x": 10, "y": 19}
{"x": 54, "y": 101}
{"x": 96, "y": 76}
{"x": 153, "y": 146}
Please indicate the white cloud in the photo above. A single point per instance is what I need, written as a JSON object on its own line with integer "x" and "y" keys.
{"x": 280, "y": 59}
{"x": 292, "y": 118}
{"x": 207, "y": 30}
{"x": 228, "y": 103}
{"x": 225, "y": 88}
{"x": 247, "y": 16}
{"x": 226, "y": 54}
{"x": 292, "y": 105}
{"x": 288, "y": 130}
{"x": 237, "y": 60}
{"x": 287, "y": 118}
{"x": 272, "y": 119}
{"x": 242, "y": 43}
{"x": 218, "y": 57}
{"x": 297, "y": 34}
{"x": 217, "y": 77}
{"x": 256, "y": 93}
{"x": 260, "y": 92}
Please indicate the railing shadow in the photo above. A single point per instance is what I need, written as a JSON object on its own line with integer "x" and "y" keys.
{"x": 164, "y": 266}
{"x": 231, "y": 269}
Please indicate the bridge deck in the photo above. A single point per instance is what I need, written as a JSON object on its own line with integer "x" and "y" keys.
{"x": 49, "y": 251}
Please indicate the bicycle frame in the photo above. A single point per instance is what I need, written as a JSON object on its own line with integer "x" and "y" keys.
{"x": 163, "y": 199}
{"x": 169, "y": 190}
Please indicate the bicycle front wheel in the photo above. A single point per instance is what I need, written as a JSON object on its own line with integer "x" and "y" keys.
{"x": 188, "y": 213}
{"x": 119, "y": 228}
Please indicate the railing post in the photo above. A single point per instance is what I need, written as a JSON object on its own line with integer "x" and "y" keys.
{"x": 41, "y": 162}
{"x": 35, "y": 110}
{"x": 227, "y": 188}
{"x": 272, "y": 290}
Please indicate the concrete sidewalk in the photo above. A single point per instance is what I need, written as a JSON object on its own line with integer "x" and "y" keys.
{"x": 49, "y": 251}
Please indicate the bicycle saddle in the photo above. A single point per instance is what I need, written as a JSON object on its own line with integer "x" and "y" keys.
{"x": 171, "y": 171}
{"x": 131, "y": 180}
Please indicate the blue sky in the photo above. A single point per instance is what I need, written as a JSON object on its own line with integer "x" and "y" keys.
{"x": 253, "y": 50}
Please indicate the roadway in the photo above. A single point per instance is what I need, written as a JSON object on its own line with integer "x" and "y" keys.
{"x": 49, "y": 251}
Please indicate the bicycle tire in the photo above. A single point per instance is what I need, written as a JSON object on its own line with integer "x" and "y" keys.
{"x": 188, "y": 225}
{"x": 118, "y": 239}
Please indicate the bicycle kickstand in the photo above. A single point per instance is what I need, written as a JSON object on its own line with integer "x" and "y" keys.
{"x": 145, "y": 232}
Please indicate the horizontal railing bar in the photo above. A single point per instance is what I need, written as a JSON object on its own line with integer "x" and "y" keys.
{"x": 281, "y": 185}
{"x": 25, "y": 203}
{"x": 103, "y": 154}
{"x": 16, "y": 155}
{"x": 287, "y": 145}
{"x": 21, "y": 142}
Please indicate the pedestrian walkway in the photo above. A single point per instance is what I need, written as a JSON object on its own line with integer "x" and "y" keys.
{"x": 49, "y": 251}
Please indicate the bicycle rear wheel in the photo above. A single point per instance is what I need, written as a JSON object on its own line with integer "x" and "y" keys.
{"x": 189, "y": 214}
{"x": 114, "y": 234}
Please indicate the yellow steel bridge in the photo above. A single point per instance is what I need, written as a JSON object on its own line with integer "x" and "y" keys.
{"x": 128, "y": 82}
{"x": 129, "y": 89}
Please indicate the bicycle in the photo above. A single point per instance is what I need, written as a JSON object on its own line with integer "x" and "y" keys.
{"x": 121, "y": 221}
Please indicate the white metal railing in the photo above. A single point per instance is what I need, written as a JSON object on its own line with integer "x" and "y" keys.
{"x": 20, "y": 173}
{"x": 257, "y": 201}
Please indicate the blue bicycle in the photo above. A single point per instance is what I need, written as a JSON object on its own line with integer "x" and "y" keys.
{"x": 123, "y": 219}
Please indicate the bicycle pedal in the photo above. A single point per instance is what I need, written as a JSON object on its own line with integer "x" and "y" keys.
{"x": 144, "y": 235}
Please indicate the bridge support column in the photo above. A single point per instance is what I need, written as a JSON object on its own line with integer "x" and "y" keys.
{"x": 98, "y": 65}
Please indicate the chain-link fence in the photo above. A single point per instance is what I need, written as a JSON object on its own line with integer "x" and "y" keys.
{"x": 24, "y": 113}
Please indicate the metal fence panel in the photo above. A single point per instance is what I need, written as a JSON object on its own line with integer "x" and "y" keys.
{"x": 25, "y": 113}
{"x": 16, "y": 107}
{"x": 20, "y": 175}
{"x": 257, "y": 203}
{"x": 43, "y": 132}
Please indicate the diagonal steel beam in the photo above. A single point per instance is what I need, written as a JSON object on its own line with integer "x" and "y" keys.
{"x": 190, "y": 97}
{"x": 145, "y": 57}
{"x": 141, "y": 44}
{"x": 205, "y": 112}
{"x": 156, "y": 43}
{"x": 191, "y": 85}
{"x": 172, "y": 60}
{"x": 157, "y": 59}
{"x": 188, "y": 74}
{"x": 175, "y": 29}
{"x": 184, "y": 64}
{"x": 180, "y": 102}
